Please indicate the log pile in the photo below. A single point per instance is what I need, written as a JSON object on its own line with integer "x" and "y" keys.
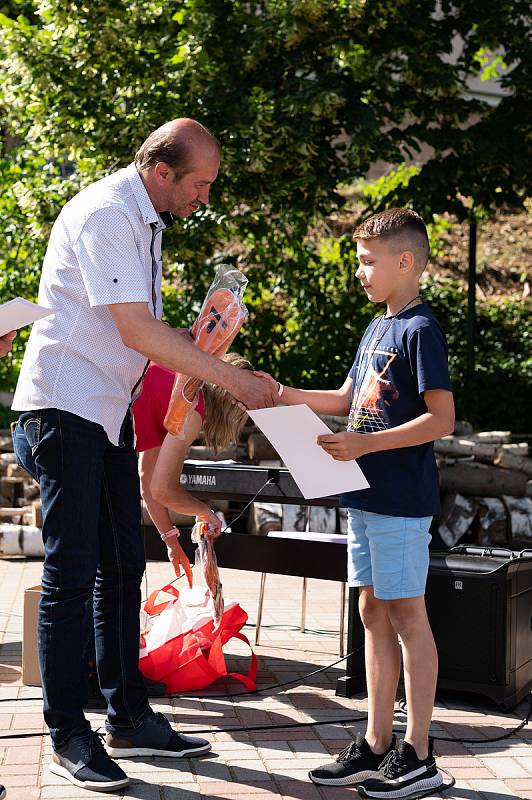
{"x": 485, "y": 483}
{"x": 486, "y": 487}
{"x": 20, "y": 506}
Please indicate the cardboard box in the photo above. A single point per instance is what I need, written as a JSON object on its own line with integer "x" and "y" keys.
{"x": 31, "y": 675}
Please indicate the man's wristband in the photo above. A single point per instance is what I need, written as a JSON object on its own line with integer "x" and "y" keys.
{"x": 170, "y": 534}
{"x": 280, "y": 390}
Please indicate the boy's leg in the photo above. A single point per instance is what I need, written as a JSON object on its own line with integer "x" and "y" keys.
{"x": 383, "y": 664}
{"x": 400, "y": 558}
{"x": 420, "y": 661}
{"x": 361, "y": 760}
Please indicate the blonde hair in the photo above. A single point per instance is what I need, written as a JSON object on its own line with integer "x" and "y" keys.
{"x": 223, "y": 418}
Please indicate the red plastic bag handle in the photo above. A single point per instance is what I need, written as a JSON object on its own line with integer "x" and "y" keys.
{"x": 217, "y": 662}
{"x": 249, "y": 680}
{"x": 152, "y": 608}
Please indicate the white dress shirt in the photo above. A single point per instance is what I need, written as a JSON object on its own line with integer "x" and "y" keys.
{"x": 98, "y": 254}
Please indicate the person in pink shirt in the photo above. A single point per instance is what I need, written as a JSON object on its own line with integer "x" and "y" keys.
{"x": 161, "y": 455}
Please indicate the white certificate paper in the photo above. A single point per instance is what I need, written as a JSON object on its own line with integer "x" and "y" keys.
{"x": 293, "y": 431}
{"x": 19, "y": 312}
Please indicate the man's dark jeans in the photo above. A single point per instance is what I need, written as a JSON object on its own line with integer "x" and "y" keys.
{"x": 93, "y": 553}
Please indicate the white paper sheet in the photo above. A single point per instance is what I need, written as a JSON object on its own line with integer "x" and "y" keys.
{"x": 293, "y": 431}
{"x": 19, "y": 312}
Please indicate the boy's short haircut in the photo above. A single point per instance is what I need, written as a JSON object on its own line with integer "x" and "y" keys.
{"x": 401, "y": 224}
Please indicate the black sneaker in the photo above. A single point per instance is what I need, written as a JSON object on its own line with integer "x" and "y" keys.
{"x": 354, "y": 764}
{"x": 402, "y": 774}
{"x": 84, "y": 762}
{"x": 2, "y": 792}
{"x": 155, "y": 737}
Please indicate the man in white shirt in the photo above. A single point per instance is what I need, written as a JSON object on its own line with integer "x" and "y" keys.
{"x": 102, "y": 276}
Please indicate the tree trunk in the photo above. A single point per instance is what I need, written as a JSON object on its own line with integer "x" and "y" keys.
{"x": 455, "y": 518}
{"x": 490, "y": 526}
{"x": 520, "y": 512}
{"x": 492, "y": 437}
{"x": 469, "y": 478}
{"x": 265, "y": 517}
{"x": 260, "y": 448}
{"x": 508, "y": 460}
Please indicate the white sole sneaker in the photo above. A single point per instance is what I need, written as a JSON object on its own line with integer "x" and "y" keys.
{"x": 347, "y": 780}
{"x": 394, "y": 792}
{"x": 134, "y": 752}
{"x": 93, "y": 786}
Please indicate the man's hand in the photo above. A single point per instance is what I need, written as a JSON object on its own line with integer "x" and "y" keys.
{"x": 5, "y": 343}
{"x": 254, "y": 391}
{"x": 179, "y": 559}
{"x": 345, "y": 446}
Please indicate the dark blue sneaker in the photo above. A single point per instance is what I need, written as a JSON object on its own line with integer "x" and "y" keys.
{"x": 155, "y": 737}
{"x": 2, "y": 792}
{"x": 84, "y": 762}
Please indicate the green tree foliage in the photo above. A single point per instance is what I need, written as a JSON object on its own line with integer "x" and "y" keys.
{"x": 304, "y": 94}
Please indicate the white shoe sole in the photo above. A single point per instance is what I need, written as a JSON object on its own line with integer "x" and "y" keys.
{"x": 134, "y": 752}
{"x": 348, "y": 780}
{"x": 3, "y": 794}
{"x": 396, "y": 793}
{"x": 93, "y": 786}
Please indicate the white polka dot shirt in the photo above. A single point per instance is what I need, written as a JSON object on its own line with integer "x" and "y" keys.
{"x": 98, "y": 254}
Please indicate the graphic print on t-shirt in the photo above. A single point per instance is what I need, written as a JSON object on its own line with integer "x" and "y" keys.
{"x": 373, "y": 392}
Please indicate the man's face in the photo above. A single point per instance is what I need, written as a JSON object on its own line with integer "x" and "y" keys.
{"x": 378, "y": 270}
{"x": 184, "y": 196}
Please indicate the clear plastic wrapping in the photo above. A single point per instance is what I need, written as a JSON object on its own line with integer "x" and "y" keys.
{"x": 222, "y": 315}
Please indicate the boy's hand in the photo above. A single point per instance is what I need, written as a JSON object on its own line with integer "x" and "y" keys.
{"x": 345, "y": 446}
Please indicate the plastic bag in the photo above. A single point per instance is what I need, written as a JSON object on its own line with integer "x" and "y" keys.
{"x": 206, "y": 561}
{"x": 179, "y": 645}
{"x": 222, "y": 315}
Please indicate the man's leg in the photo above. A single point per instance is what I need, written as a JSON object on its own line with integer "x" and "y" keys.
{"x": 68, "y": 457}
{"x": 117, "y": 590}
{"x": 420, "y": 659}
{"x": 133, "y": 728}
{"x": 383, "y": 664}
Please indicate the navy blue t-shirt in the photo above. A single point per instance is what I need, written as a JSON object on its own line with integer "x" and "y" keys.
{"x": 397, "y": 360}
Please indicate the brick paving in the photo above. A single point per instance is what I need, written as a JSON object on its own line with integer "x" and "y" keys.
{"x": 255, "y": 765}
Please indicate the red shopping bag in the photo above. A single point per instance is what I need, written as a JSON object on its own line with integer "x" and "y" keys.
{"x": 181, "y": 649}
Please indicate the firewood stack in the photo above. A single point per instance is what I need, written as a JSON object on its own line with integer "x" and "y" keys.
{"x": 20, "y": 506}
{"x": 485, "y": 481}
{"x": 486, "y": 486}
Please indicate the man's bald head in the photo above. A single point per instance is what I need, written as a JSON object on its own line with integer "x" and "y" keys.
{"x": 176, "y": 143}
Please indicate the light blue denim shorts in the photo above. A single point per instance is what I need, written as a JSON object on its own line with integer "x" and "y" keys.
{"x": 389, "y": 553}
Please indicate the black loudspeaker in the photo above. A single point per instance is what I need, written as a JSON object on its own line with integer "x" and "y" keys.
{"x": 479, "y": 603}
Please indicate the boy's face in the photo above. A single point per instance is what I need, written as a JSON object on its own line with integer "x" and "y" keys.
{"x": 379, "y": 268}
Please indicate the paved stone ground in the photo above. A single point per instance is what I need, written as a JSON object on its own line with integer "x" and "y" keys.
{"x": 259, "y": 765}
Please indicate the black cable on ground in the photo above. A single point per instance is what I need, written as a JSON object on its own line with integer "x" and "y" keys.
{"x": 311, "y": 724}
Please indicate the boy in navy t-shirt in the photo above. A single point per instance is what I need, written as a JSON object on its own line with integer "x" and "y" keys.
{"x": 399, "y": 399}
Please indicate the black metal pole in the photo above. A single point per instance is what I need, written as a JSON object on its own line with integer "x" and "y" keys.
{"x": 471, "y": 296}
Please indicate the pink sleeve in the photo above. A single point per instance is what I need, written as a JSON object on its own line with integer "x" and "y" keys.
{"x": 200, "y": 405}
{"x": 150, "y": 407}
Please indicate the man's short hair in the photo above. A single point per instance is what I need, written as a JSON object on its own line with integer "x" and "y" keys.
{"x": 173, "y": 148}
{"x": 401, "y": 224}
